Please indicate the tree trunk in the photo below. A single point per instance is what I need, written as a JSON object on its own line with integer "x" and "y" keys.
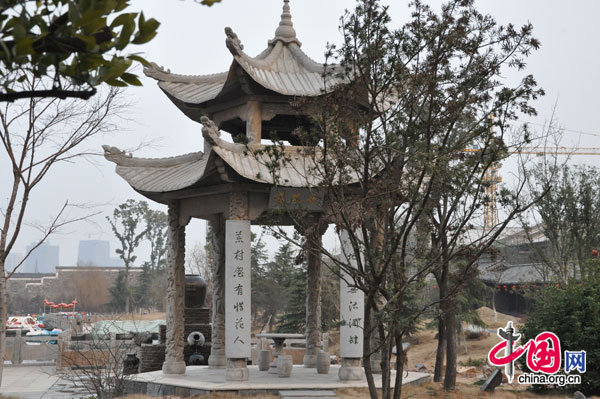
{"x": 369, "y": 332}
{"x": 441, "y": 349}
{"x": 127, "y": 289}
{"x": 450, "y": 315}
{"x": 386, "y": 355}
{"x": 400, "y": 360}
{"x": 375, "y": 347}
{"x": 3, "y": 316}
{"x": 494, "y": 305}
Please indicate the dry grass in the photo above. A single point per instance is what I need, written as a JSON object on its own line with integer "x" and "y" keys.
{"x": 470, "y": 391}
{"x": 423, "y": 351}
{"x": 487, "y": 315}
{"x": 462, "y": 391}
{"x": 126, "y": 316}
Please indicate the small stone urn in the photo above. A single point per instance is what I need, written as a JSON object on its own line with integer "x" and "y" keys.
{"x": 284, "y": 365}
{"x": 264, "y": 359}
{"x": 195, "y": 291}
{"x": 130, "y": 364}
{"x": 323, "y": 362}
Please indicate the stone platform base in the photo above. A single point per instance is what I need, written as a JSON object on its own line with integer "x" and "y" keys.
{"x": 200, "y": 380}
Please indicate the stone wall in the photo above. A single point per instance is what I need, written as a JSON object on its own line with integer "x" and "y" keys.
{"x": 88, "y": 284}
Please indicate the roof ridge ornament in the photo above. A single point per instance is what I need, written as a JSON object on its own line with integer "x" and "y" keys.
{"x": 285, "y": 31}
{"x": 212, "y": 134}
{"x": 156, "y": 71}
{"x": 233, "y": 42}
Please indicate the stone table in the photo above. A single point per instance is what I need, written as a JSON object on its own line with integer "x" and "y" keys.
{"x": 279, "y": 339}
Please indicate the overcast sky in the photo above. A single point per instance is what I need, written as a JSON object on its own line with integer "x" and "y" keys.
{"x": 191, "y": 41}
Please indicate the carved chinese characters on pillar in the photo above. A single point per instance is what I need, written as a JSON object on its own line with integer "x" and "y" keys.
{"x": 237, "y": 288}
{"x": 351, "y": 307}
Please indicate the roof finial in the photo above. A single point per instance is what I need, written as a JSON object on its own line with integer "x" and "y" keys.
{"x": 285, "y": 31}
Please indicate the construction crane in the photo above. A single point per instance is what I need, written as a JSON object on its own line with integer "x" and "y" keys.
{"x": 492, "y": 175}
{"x": 490, "y": 208}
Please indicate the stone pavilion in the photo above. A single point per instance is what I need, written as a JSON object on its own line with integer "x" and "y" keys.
{"x": 230, "y": 185}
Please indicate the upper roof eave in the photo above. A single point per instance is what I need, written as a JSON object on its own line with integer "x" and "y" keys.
{"x": 282, "y": 68}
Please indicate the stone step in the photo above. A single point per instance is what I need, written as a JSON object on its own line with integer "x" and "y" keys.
{"x": 310, "y": 397}
{"x": 307, "y": 394}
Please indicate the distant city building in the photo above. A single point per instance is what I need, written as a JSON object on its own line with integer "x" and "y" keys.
{"x": 43, "y": 259}
{"x": 12, "y": 260}
{"x": 96, "y": 253}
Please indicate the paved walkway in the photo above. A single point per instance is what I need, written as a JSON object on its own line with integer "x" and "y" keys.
{"x": 36, "y": 382}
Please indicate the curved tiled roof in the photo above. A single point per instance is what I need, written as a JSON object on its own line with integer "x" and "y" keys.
{"x": 188, "y": 88}
{"x": 159, "y": 174}
{"x": 287, "y": 70}
{"x": 296, "y": 171}
{"x": 283, "y": 68}
{"x": 171, "y": 174}
{"x": 163, "y": 179}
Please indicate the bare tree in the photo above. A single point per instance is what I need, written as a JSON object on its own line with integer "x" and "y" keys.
{"x": 97, "y": 367}
{"x": 392, "y": 157}
{"x": 90, "y": 289}
{"x": 37, "y": 135}
{"x": 200, "y": 263}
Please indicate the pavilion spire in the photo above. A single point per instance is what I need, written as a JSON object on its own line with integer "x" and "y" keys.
{"x": 285, "y": 31}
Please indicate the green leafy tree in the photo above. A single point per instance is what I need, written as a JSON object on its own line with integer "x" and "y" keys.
{"x": 572, "y": 313}
{"x": 278, "y": 273}
{"x": 294, "y": 316}
{"x": 126, "y": 224}
{"x": 151, "y": 284}
{"x": 258, "y": 259}
{"x": 156, "y": 227}
{"x": 330, "y": 298}
{"x": 118, "y": 293}
{"x": 77, "y": 44}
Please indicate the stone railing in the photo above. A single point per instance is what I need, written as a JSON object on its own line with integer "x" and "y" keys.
{"x": 87, "y": 351}
{"x": 21, "y": 348}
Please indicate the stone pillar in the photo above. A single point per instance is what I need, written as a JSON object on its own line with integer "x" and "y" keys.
{"x": 313, "y": 293}
{"x": 217, "y": 359}
{"x": 254, "y": 122}
{"x": 237, "y": 288}
{"x": 174, "y": 363}
{"x": 351, "y": 316}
